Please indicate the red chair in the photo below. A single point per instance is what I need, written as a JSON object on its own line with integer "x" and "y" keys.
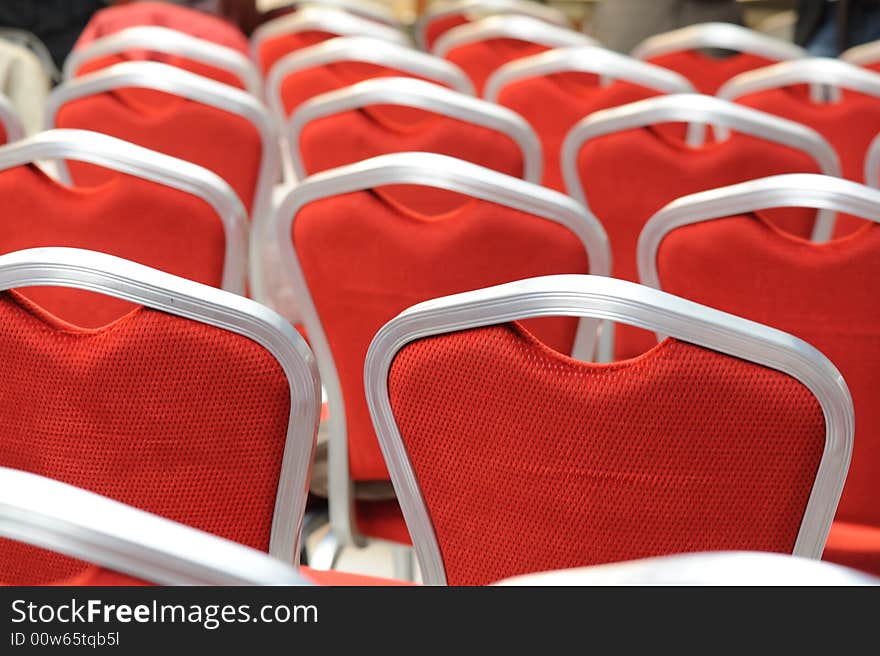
{"x": 624, "y": 169}
{"x": 201, "y": 406}
{"x": 683, "y": 51}
{"x": 343, "y": 61}
{"x": 481, "y": 47}
{"x": 181, "y": 114}
{"x": 555, "y": 89}
{"x": 11, "y": 128}
{"x": 166, "y": 46}
{"x": 715, "y": 248}
{"x": 866, "y": 55}
{"x": 508, "y": 457}
{"x": 116, "y": 544}
{"x": 156, "y": 210}
{"x": 312, "y": 25}
{"x": 357, "y": 249}
{"x": 439, "y": 17}
{"x": 389, "y": 115}
{"x": 195, "y": 23}
{"x": 849, "y": 118}
{"x": 375, "y": 10}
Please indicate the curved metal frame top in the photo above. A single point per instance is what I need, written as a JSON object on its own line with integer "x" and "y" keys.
{"x": 872, "y": 163}
{"x": 123, "y": 156}
{"x": 114, "y": 276}
{"x": 789, "y": 190}
{"x": 438, "y": 10}
{"x": 176, "y": 81}
{"x": 718, "y": 35}
{"x": 431, "y": 170}
{"x": 865, "y": 54}
{"x": 607, "y": 64}
{"x": 816, "y": 71}
{"x": 374, "y": 10}
{"x": 698, "y": 108}
{"x": 32, "y": 43}
{"x": 10, "y": 121}
{"x": 617, "y": 300}
{"x": 419, "y": 94}
{"x": 323, "y": 19}
{"x": 368, "y": 50}
{"x": 172, "y": 42}
{"x": 512, "y": 26}
{"x": 65, "y": 519}
{"x": 753, "y": 568}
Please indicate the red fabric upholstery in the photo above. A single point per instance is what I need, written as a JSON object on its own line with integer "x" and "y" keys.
{"x": 273, "y": 49}
{"x": 358, "y": 134}
{"x": 212, "y": 72}
{"x": 173, "y": 125}
{"x": 382, "y": 519}
{"x": 89, "y": 575}
{"x": 307, "y": 83}
{"x": 708, "y": 73}
{"x": 480, "y": 59}
{"x": 3, "y": 136}
{"x": 337, "y": 578}
{"x": 531, "y": 461}
{"x": 854, "y": 545}
{"x": 849, "y": 126}
{"x": 162, "y": 14}
{"x": 365, "y": 258}
{"x": 612, "y": 167}
{"x": 439, "y": 26}
{"x": 552, "y": 104}
{"x": 822, "y": 293}
{"x": 155, "y": 411}
{"x": 126, "y": 216}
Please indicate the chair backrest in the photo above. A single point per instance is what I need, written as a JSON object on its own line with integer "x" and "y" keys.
{"x": 349, "y": 224}
{"x": 728, "y": 568}
{"x": 441, "y": 16}
{"x": 114, "y": 543}
{"x": 818, "y": 292}
{"x": 555, "y": 89}
{"x": 481, "y": 47}
{"x": 201, "y": 406}
{"x": 848, "y": 117}
{"x": 24, "y": 85}
{"x": 189, "y": 21}
{"x": 345, "y": 60}
{"x": 168, "y": 46}
{"x": 683, "y": 51}
{"x": 624, "y": 169}
{"x": 157, "y": 210}
{"x": 509, "y": 457}
{"x": 388, "y": 115}
{"x": 375, "y": 10}
{"x": 311, "y": 25}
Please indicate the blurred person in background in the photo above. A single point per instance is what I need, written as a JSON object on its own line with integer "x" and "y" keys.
{"x": 828, "y": 27}
{"x": 621, "y": 24}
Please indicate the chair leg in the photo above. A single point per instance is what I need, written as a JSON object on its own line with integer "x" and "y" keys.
{"x": 403, "y": 562}
{"x": 326, "y": 553}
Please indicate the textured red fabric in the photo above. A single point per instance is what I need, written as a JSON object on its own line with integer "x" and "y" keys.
{"x": 212, "y": 72}
{"x": 849, "y": 126}
{"x": 366, "y": 258}
{"x": 300, "y": 86}
{"x": 529, "y": 461}
{"x": 358, "y": 134}
{"x": 126, "y": 216}
{"x": 89, "y": 575}
{"x": 480, "y": 59}
{"x": 274, "y": 48}
{"x": 165, "y": 414}
{"x": 337, "y": 578}
{"x": 708, "y": 73}
{"x": 552, "y": 104}
{"x": 382, "y": 520}
{"x": 662, "y": 168}
{"x": 162, "y": 14}
{"x": 854, "y": 545}
{"x": 439, "y": 26}
{"x": 822, "y": 293}
{"x": 225, "y": 143}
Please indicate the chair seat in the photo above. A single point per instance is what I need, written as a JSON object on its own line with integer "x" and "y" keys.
{"x": 336, "y": 578}
{"x": 854, "y": 545}
{"x": 382, "y": 520}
